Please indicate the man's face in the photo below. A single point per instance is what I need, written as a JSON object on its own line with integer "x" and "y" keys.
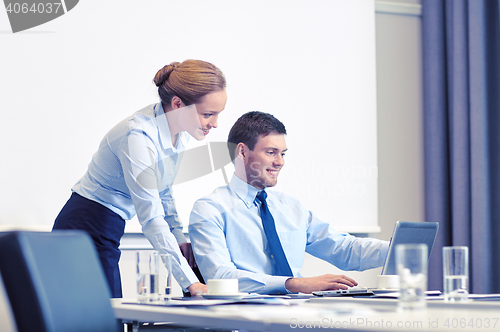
{"x": 263, "y": 164}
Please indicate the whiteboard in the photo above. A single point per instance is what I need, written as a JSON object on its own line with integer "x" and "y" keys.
{"x": 65, "y": 83}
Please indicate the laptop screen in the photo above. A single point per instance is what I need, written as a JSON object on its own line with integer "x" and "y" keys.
{"x": 406, "y": 232}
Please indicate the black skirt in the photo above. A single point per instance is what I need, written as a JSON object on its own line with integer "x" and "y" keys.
{"x": 104, "y": 226}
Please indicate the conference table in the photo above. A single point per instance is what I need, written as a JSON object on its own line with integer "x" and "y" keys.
{"x": 302, "y": 312}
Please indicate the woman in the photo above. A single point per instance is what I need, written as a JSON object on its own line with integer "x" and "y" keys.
{"x": 134, "y": 168}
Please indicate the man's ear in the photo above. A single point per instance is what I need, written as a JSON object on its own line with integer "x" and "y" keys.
{"x": 241, "y": 150}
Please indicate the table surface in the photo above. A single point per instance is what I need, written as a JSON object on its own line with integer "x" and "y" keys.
{"x": 339, "y": 314}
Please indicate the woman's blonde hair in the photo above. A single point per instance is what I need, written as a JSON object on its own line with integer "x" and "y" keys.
{"x": 189, "y": 80}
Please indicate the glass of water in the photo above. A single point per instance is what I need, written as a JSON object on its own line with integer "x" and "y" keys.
{"x": 147, "y": 269}
{"x": 165, "y": 277}
{"x": 456, "y": 273}
{"x": 411, "y": 264}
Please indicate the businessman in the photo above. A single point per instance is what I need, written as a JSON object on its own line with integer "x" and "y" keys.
{"x": 261, "y": 236}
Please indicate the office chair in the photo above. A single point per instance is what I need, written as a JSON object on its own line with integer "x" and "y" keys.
{"x": 7, "y": 323}
{"x": 55, "y": 283}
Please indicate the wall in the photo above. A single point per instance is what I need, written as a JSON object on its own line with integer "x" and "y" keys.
{"x": 400, "y": 133}
{"x": 65, "y": 86}
{"x": 400, "y": 139}
{"x": 399, "y": 126}
{"x": 400, "y": 117}
{"x": 53, "y": 87}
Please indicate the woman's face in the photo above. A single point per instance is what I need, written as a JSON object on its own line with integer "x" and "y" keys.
{"x": 199, "y": 118}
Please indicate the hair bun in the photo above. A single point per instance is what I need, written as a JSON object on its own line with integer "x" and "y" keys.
{"x": 163, "y": 74}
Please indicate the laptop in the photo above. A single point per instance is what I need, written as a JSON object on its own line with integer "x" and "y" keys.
{"x": 405, "y": 232}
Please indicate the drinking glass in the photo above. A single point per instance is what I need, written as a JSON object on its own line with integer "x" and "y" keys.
{"x": 456, "y": 273}
{"x": 411, "y": 264}
{"x": 147, "y": 263}
{"x": 165, "y": 277}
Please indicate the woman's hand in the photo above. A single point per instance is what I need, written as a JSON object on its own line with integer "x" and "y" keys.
{"x": 197, "y": 289}
{"x": 187, "y": 252}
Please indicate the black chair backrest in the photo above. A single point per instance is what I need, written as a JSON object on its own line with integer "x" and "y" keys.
{"x": 55, "y": 282}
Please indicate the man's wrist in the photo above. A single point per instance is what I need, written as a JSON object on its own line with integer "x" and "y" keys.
{"x": 291, "y": 285}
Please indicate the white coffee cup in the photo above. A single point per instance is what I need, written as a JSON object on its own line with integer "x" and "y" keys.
{"x": 222, "y": 286}
{"x": 388, "y": 281}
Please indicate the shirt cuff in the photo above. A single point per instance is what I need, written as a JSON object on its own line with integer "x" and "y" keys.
{"x": 185, "y": 278}
{"x": 276, "y": 285}
{"x": 384, "y": 251}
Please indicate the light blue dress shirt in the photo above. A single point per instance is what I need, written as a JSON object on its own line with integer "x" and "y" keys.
{"x": 229, "y": 241}
{"x": 132, "y": 173}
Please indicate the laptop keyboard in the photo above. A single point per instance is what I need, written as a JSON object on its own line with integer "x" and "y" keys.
{"x": 344, "y": 292}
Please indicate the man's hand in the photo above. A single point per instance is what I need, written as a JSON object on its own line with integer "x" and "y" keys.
{"x": 320, "y": 283}
{"x": 187, "y": 252}
{"x": 197, "y": 289}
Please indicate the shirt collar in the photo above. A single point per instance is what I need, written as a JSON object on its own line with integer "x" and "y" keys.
{"x": 164, "y": 130}
{"x": 243, "y": 190}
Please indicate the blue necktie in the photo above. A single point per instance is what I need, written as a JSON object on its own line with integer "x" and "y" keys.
{"x": 282, "y": 266}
